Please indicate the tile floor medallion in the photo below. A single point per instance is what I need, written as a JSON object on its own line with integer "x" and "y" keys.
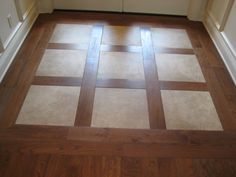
{"x": 170, "y": 38}
{"x": 121, "y": 65}
{"x": 120, "y": 108}
{"x": 66, "y": 63}
{"x": 50, "y": 105}
{"x": 121, "y": 35}
{"x": 189, "y": 110}
{"x": 177, "y": 67}
{"x": 71, "y": 33}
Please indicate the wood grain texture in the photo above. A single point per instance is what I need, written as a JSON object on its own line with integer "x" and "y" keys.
{"x": 87, "y": 93}
{"x": 57, "y": 81}
{"x": 46, "y": 151}
{"x": 155, "y": 107}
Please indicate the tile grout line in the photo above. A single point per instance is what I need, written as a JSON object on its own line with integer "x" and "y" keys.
{"x": 155, "y": 106}
{"x": 88, "y": 86}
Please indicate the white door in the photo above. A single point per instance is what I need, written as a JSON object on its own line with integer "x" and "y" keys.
{"x": 97, "y": 5}
{"x": 171, "y": 7}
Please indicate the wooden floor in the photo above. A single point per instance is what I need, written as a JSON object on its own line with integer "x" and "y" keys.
{"x": 82, "y": 150}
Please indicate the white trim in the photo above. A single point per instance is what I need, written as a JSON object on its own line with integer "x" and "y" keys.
{"x": 10, "y": 52}
{"x": 11, "y": 36}
{"x": 33, "y": 4}
{"x": 220, "y": 24}
{"x": 1, "y": 48}
{"x": 224, "y": 48}
{"x": 18, "y": 9}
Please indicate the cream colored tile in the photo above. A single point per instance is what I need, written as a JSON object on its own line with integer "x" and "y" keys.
{"x": 173, "y": 67}
{"x": 120, "y": 108}
{"x": 171, "y": 38}
{"x": 121, "y": 35}
{"x": 72, "y": 33}
{"x": 190, "y": 110}
{"x": 50, "y": 105}
{"x": 121, "y": 65}
{"x": 67, "y": 63}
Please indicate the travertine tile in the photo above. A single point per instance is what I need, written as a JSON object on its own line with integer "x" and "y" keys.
{"x": 121, "y": 65}
{"x": 50, "y": 105}
{"x": 67, "y": 63}
{"x": 170, "y": 38}
{"x": 190, "y": 110}
{"x": 72, "y": 33}
{"x": 174, "y": 67}
{"x": 121, "y": 35}
{"x": 120, "y": 108}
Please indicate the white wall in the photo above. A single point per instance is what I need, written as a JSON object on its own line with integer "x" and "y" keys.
{"x": 8, "y": 21}
{"x": 222, "y": 31}
{"x": 230, "y": 28}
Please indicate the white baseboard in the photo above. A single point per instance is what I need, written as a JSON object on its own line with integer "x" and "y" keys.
{"x": 224, "y": 48}
{"x": 8, "y": 55}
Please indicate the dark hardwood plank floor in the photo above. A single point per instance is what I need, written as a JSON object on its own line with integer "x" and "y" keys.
{"x": 63, "y": 151}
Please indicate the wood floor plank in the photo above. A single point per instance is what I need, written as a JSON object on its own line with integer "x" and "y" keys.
{"x": 57, "y": 81}
{"x": 215, "y": 167}
{"x": 64, "y": 46}
{"x": 87, "y": 93}
{"x": 120, "y": 48}
{"x": 194, "y": 86}
{"x": 120, "y": 83}
{"x": 167, "y": 167}
{"x": 155, "y": 107}
{"x": 174, "y": 51}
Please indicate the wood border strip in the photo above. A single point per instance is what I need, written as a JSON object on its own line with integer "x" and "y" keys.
{"x": 27, "y": 77}
{"x": 215, "y": 90}
{"x": 87, "y": 92}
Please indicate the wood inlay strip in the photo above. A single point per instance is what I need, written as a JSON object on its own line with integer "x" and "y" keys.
{"x": 193, "y": 86}
{"x": 57, "y": 81}
{"x": 120, "y": 48}
{"x": 174, "y": 51}
{"x": 64, "y": 46}
{"x": 120, "y": 83}
{"x": 155, "y": 106}
{"x": 87, "y": 93}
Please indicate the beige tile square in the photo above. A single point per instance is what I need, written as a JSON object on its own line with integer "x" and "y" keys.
{"x": 121, "y": 35}
{"x": 121, "y": 65}
{"x": 66, "y": 63}
{"x": 190, "y": 110}
{"x": 170, "y": 38}
{"x": 120, "y": 108}
{"x": 71, "y": 33}
{"x": 175, "y": 67}
{"x": 50, "y": 105}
